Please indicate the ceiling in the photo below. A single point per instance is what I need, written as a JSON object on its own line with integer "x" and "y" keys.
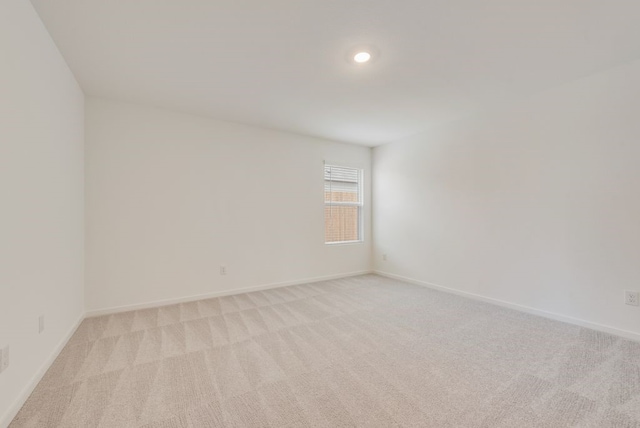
{"x": 283, "y": 63}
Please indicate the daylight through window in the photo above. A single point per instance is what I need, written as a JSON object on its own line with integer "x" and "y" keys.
{"x": 342, "y": 204}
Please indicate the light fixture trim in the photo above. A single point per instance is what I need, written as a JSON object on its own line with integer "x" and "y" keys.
{"x": 362, "y": 57}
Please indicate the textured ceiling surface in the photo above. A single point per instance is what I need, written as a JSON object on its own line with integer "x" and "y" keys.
{"x": 283, "y": 63}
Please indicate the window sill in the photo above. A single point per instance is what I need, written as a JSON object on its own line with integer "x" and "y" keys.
{"x": 344, "y": 242}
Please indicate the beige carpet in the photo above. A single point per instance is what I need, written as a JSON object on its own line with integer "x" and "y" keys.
{"x": 364, "y": 351}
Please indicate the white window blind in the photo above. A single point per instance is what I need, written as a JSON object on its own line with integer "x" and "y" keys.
{"x": 342, "y": 204}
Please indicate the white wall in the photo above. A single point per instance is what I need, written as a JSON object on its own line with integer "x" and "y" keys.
{"x": 538, "y": 205}
{"x": 171, "y": 197}
{"x": 41, "y": 199}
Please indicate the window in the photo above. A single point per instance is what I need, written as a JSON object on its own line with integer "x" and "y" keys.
{"x": 342, "y": 204}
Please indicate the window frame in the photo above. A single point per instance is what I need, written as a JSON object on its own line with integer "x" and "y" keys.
{"x": 359, "y": 204}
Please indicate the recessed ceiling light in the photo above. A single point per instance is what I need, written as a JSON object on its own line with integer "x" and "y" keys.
{"x": 361, "y": 57}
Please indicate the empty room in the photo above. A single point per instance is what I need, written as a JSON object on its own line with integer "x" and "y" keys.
{"x": 359, "y": 213}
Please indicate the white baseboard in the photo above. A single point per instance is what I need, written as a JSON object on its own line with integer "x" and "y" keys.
{"x": 13, "y": 410}
{"x": 157, "y": 303}
{"x": 576, "y": 321}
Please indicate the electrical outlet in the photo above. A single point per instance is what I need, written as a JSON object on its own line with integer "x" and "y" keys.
{"x": 40, "y": 323}
{"x": 223, "y": 270}
{"x": 384, "y": 257}
{"x": 632, "y": 298}
{"x": 4, "y": 358}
